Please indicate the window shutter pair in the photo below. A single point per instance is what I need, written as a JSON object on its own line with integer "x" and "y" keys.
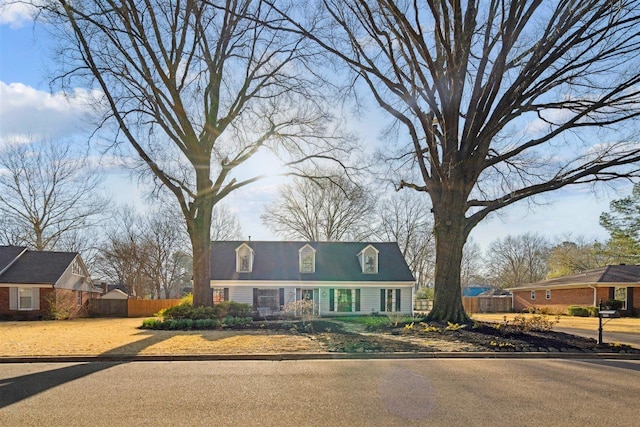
{"x": 383, "y": 300}
{"x": 35, "y": 298}
{"x": 255, "y": 296}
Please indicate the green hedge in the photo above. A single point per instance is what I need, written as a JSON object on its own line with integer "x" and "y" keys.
{"x": 218, "y": 311}
{"x": 188, "y": 324}
{"x": 582, "y": 311}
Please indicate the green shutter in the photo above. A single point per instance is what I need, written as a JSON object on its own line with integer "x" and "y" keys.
{"x": 281, "y": 297}
{"x": 225, "y": 294}
{"x": 255, "y": 297}
{"x": 383, "y": 305}
{"x": 357, "y": 299}
{"x": 397, "y": 299}
{"x": 331, "y": 299}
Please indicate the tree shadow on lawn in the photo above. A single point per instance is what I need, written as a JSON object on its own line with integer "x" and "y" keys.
{"x": 16, "y": 389}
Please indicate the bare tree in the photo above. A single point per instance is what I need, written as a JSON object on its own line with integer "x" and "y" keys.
{"x": 197, "y": 88}
{"x": 472, "y": 271}
{"x": 497, "y": 100}
{"x": 166, "y": 261}
{"x": 516, "y": 260}
{"x": 225, "y": 224}
{"x": 123, "y": 258}
{"x": 407, "y": 220}
{"x": 323, "y": 209}
{"x": 49, "y": 194}
{"x": 575, "y": 254}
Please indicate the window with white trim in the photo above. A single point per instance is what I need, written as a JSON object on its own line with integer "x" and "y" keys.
{"x": 25, "y": 299}
{"x": 76, "y": 268}
{"x": 620, "y": 294}
{"x": 547, "y": 294}
{"x": 369, "y": 260}
{"x": 533, "y": 295}
{"x": 307, "y": 259}
{"x": 244, "y": 259}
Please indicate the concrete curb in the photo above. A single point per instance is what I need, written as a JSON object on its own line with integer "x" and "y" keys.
{"x": 126, "y": 358}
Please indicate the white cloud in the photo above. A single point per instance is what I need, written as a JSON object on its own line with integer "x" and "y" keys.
{"x": 542, "y": 125}
{"x": 27, "y": 114}
{"x": 16, "y": 14}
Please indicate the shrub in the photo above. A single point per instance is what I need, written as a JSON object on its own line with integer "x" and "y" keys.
{"x": 614, "y": 304}
{"x": 218, "y": 311}
{"x": 538, "y": 323}
{"x": 424, "y": 293}
{"x": 63, "y": 306}
{"x": 578, "y": 311}
{"x": 232, "y": 308}
{"x": 152, "y": 324}
{"x": 302, "y": 309}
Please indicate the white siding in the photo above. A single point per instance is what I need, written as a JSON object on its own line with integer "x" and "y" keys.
{"x": 369, "y": 295}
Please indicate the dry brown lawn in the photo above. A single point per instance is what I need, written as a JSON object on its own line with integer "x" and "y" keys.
{"x": 122, "y": 337}
{"x": 624, "y": 324}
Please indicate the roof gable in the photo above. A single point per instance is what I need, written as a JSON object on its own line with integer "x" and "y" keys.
{"x": 334, "y": 262}
{"x": 37, "y": 267}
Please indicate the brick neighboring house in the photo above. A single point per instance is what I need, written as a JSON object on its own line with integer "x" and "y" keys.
{"x": 339, "y": 277}
{"x": 587, "y": 288}
{"x": 29, "y": 280}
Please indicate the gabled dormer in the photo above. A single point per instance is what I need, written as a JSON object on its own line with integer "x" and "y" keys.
{"x": 368, "y": 258}
{"x": 307, "y": 259}
{"x": 244, "y": 258}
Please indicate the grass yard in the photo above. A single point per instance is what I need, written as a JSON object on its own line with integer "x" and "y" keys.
{"x": 122, "y": 337}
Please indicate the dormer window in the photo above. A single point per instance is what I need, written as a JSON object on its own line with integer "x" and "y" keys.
{"x": 307, "y": 259}
{"x": 244, "y": 259}
{"x": 369, "y": 260}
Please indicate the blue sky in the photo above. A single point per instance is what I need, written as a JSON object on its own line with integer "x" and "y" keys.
{"x": 28, "y": 110}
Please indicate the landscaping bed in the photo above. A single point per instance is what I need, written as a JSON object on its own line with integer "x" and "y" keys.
{"x": 352, "y": 337}
{"x": 125, "y": 337}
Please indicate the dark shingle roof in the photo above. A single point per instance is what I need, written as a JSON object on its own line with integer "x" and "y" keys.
{"x": 335, "y": 262}
{"x": 609, "y": 274}
{"x": 34, "y": 267}
{"x": 8, "y": 254}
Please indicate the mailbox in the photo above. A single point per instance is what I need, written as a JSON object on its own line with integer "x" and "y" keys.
{"x": 609, "y": 313}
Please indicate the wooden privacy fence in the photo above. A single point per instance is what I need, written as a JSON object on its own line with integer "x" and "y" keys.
{"x": 129, "y": 308}
{"x": 422, "y": 305}
{"x": 493, "y": 304}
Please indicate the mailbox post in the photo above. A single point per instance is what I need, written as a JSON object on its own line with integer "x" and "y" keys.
{"x": 609, "y": 314}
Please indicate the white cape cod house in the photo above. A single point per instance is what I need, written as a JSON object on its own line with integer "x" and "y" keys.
{"x": 341, "y": 278}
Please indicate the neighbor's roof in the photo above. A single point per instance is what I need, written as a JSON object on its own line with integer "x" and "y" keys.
{"x": 611, "y": 274}
{"x": 335, "y": 262}
{"x": 33, "y": 267}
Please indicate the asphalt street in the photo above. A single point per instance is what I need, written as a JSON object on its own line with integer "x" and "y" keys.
{"x": 433, "y": 392}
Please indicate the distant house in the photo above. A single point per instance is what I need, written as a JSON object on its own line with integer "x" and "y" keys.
{"x": 475, "y": 290}
{"x": 341, "y": 278}
{"x": 587, "y": 288}
{"x": 30, "y": 280}
{"x": 115, "y": 294}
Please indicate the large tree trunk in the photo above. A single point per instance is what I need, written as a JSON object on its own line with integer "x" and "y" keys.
{"x": 450, "y": 238}
{"x": 201, "y": 262}
{"x": 200, "y": 234}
